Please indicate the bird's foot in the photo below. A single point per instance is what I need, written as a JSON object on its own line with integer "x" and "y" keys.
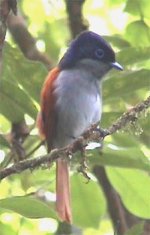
{"x": 101, "y": 132}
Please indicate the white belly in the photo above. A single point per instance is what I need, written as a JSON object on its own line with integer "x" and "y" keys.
{"x": 78, "y": 105}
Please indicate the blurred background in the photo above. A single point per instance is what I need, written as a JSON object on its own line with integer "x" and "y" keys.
{"x": 116, "y": 201}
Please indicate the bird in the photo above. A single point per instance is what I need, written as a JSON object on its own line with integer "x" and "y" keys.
{"x": 71, "y": 100}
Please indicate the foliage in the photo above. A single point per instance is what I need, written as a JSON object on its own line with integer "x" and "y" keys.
{"x": 125, "y": 154}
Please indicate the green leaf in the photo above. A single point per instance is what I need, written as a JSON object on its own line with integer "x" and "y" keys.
{"x": 113, "y": 155}
{"x": 138, "y": 7}
{"x": 7, "y": 229}
{"x": 125, "y": 140}
{"x": 134, "y": 188}
{"x": 4, "y": 142}
{"x": 144, "y": 123}
{"x": 15, "y": 102}
{"x": 28, "y": 206}
{"x": 88, "y": 202}
{"x": 8, "y": 104}
{"x": 132, "y": 55}
{"x": 117, "y": 41}
{"x": 136, "y": 229}
{"x": 52, "y": 45}
{"x": 122, "y": 84}
{"x": 30, "y": 143}
{"x": 114, "y": 2}
{"x": 109, "y": 117}
{"x": 30, "y": 75}
{"x": 138, "y": 33}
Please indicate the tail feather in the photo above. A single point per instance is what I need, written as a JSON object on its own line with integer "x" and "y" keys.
{"x": 63, "y": 191}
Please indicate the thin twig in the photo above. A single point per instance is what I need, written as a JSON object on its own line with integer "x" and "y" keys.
{"x": 126, "y": 118}
{"x": 129, "y": 116}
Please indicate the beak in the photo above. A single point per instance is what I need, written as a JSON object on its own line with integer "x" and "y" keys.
{"x": 116, "y": 66}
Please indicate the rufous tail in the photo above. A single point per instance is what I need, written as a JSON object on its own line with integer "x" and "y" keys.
{"x": 63, "y": 205}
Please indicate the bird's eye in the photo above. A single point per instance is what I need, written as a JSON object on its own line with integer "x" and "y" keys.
{"x": 99, "y": 53}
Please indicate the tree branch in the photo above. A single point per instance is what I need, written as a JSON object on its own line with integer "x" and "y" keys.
{"x": 5, "y": 7}
{"x": 19, "y": 131}
{"x": 122, "y": 219}
{"x": 130, "y": 116}
{"x": 115, "y": 208}
{"x": 90, "y": 134}
{"x": 26, "y": 42}
{"x": 146, "y": 228}
{"x": 74, "y": 10}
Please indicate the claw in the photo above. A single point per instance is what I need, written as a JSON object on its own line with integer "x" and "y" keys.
{"x": 102, "y": 132}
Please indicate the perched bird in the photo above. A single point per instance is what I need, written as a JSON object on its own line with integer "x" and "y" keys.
{"x": 71, "y": 101}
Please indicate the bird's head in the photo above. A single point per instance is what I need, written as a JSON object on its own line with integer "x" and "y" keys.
{"x": 89, "y": 45}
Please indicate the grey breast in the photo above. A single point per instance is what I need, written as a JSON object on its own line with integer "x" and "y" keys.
{"x": 78, "y": 104}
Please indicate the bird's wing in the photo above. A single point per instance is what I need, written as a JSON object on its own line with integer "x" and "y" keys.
{"x": 46, "y": 120}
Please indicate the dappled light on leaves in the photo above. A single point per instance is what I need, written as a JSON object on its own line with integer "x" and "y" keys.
{"x": 38, "y": 37}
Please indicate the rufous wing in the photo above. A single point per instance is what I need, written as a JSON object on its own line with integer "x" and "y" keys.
{"x": 46, "y": 120}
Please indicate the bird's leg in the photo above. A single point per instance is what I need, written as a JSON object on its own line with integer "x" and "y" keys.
{"x": 99, "y": 133}
{"x": 18, "y": 150}
{"x": 102, "y": 132}
{"x": 95, "y": 133}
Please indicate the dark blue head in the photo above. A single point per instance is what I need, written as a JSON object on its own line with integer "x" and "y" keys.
{"x": 88, "y": 45}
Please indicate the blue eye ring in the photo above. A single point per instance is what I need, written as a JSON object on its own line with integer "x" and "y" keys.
{"x": 99, "y": 53}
